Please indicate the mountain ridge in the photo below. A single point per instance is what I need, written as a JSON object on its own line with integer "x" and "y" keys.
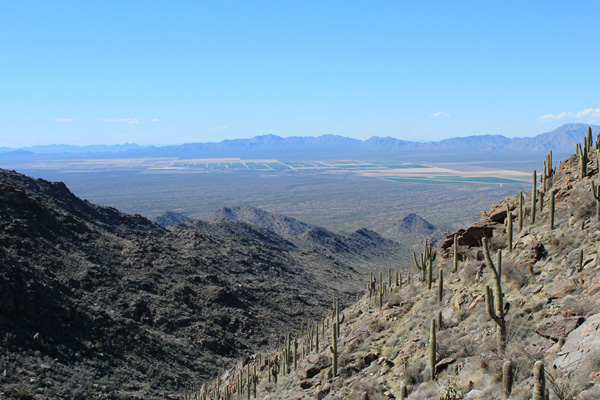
{"x": 270, "y": 145}
{"x": 98, "y": 303}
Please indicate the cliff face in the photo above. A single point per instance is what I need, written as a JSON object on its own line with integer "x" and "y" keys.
{"x": 550, "y": 279}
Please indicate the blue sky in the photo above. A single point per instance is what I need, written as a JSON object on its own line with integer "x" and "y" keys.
{"x": 165, "y": 72}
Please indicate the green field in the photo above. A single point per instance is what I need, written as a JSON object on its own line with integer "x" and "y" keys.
{"x": 256, "y": 165}
{"x": 277, "y": 166}
{"x": 403, "y": 166}
{"x": 451, "y": 179}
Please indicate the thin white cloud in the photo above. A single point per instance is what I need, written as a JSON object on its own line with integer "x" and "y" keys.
{"x": 154, "y": 120}
{"x": 64, "y": 120}
{"x": 220, "y": 128}
{"x": 127, "y": 120}
{"x": 439, "y": 114}
{"x": 587, "y": 114}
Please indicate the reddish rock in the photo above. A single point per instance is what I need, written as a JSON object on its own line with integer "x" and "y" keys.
{"x": 579, "y": 344}
{"x": 443, "y": 364}
{"x": 306, "y": 384}
{"x": 312, "y": 365}
{"x": 498, "y": 216}
{"x": 558, "y": 327}
{"x": 370, "y": 357}
{"x": 561, "y": 288}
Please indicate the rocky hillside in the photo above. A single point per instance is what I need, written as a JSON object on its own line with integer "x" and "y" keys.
{"x": 512, "y": 310}
{"x": 364, "y": 247}
{"x": 170, "y": 218}
{"x": 95, "y": 303}
{"x": 280, "y": 224}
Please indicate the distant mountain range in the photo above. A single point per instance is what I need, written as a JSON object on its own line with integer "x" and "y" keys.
{"x": 561, "y": 140}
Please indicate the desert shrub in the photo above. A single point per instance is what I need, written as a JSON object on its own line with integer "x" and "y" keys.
{"x": 464, "y": 347}
{"x": 412, "y": 374}
{"x": 426, "y": 392}
{"x": 377, "y": 326}
{"x": 470, "y": 271}
{"x": 580, "y": 305}
{"x": 514, "y": 274}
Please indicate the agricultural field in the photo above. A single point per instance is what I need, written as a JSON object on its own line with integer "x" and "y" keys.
{"x": 341, "y": 195}
{"x": 340, "y": 200}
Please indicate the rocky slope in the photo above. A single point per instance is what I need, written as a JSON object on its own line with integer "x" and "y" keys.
{"x": 97, "y": 303}
{"x": 170, "y": 218}
{"x": 412, "y": 225}
{"x": 550, "y": 277}
{"x": 280, "y": 224}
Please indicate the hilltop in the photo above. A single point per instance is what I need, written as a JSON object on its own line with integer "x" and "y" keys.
{"x": 410, "y": 226}
{"x": 406, "y": 339}
{"x": 280, "y": 224}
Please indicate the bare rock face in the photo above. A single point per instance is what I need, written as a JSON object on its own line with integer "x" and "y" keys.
{"x": 443, "y": 364}
{"x": 559, "y": 327}
{"x": 579, "y": 344}
{"x": 313, "y": 365}
{"x": 471, "y": 237}
{"x": 498, "y": 216}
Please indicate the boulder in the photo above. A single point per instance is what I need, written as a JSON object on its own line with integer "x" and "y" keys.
{"x": 306, "y": 384}
{"x": 580, "y": 343}
{"x": 474, "y": 394}
{"x": 471, "y": 237}
{"x": 559, "y": 327}
{"x": 498, "y": 216}
{"x": 370, "y": 357}
{"x": 312, "y": 365}
{"x": 443, "y": 364}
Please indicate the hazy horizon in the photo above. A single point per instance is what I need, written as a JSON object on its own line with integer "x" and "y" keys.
{"x": 266, "y": 134}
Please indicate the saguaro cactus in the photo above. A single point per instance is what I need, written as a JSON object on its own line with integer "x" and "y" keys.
{"x": 507, "y": 378}
{"x": 539, "y": 381}
{"x": 432, "y": 349}
{"x": 403, "y": 391}
{"x": 455, "y": 258}
{"x": 533, "y": 197}
{"x": 552, "y": 209}
{"x": 520, "y": 211}
{"x": 496, "y": 308}
{"x": 334, "y": 349}
{"x": 583, "y": 159}
{"x": 509, "y": 228}
{"x": 440, "y": 293}
{"x": 275, "y": 371}
{"x": 596, "y": 194}
{"x": 427, "y": 258}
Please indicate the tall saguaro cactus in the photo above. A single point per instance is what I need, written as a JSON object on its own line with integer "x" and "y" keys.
{"x": 533, "y": 197}
{"x": 496, "y": 308}
{"x": 539, "y": 381}
{"x": 440, "y": 293}
{"x": 509, "y": 228}
{"x": 432, "y": 349}
{"x": 507, "y": 378}
{"x": 596, "y": 194}
{"x": 552, "y": 208}
{"x": 455, "y": 258}
{"x": 426, "y": 266}
{"x": 334, "y": 349}
{"x": 520, "y": 211}
{"x": 583, "y": 158}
